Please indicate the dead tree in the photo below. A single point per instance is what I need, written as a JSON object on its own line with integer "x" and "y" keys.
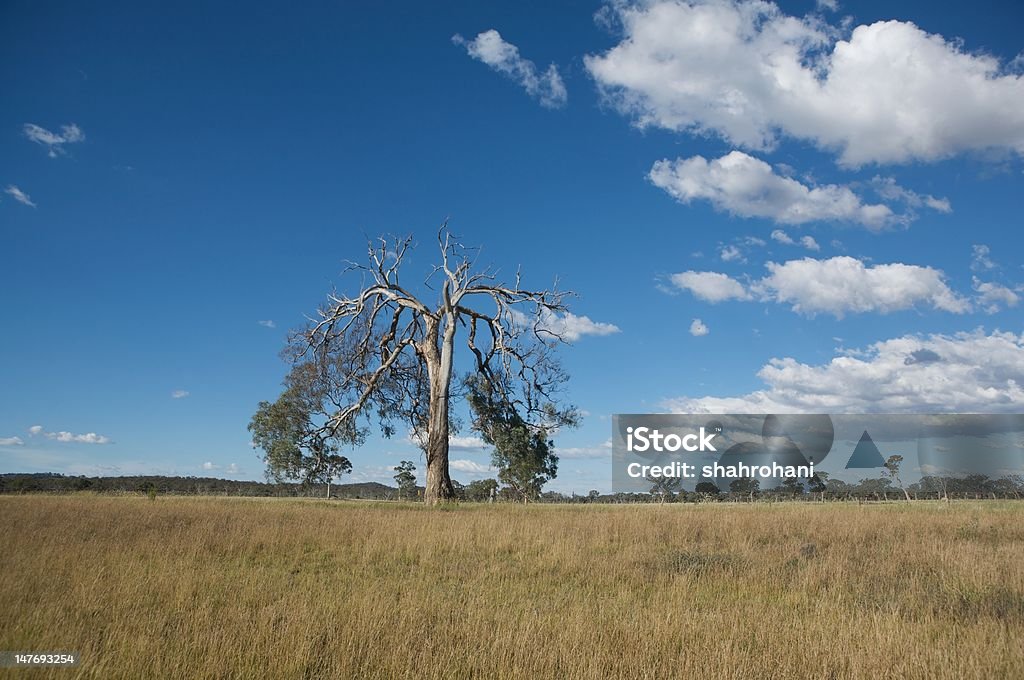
{"x": 387, "y": 353}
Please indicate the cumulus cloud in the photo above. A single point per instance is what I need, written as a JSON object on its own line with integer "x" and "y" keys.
{"x": 455, "y": 442}
{"x": 19, "y": 195}
{"x": 887, "y": 92}
{"x": 54, "y": 141}
{"x": 710, "y": 286}
{"x": 809, "y": 243}
{"x": 568, "y": 326}
{"x": 993, "y": 296}
{"x": 730, "y": 253}
{"x": 230, "y": 469}
{"x": 922, "y": 356}
{"x": 836, "y": 286}
{"x": 69, "y": 437}
{"x": 11, "y": 441}
{"x": 502, "y": 56}
{"x": 738, "y": 249}
{"x": 841, "y": 285}
{"x": 603, "y": 450}
{"x": 888, "y": 189}
{"x": 469, "y": 466}
{"x": 179, "y": 394}
{"x": 745, "y": 186}
{"x": 970, "y": 372}
{"x": 88, "y": 438}
{"x": 466, "y": 443}
{"x": 783, "y": 238}
{"x": 698, "y": 328}
{"x": 267, "y": 323}
{"x": 980, "y": 260}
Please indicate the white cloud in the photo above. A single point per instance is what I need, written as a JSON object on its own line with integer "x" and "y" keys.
{"x": 698, "y": 328}
{"x": 464, "y": 443}
{"x": 782, "y": 237}
{"x": 603, "y": 450}
{"x": 980, "y": 260}
{"x": 835, "y": 286}
{"x": 730, "y": 253}
{"x": 11, "y": 441}
{"x": 230, "y": 469}
{"x": 469, "y": 466}
{"x": 748, "y": 187}
{"x": 89, "y": 438}
{"x": 993, "y": 296}
{"x": 809, "y": 243}
{"x": 805, "y": 241}
{"x": 455, "y": 442}
{"x": 882, "y": 93}
{"x": 710, "y": 286}
{"x": 267, "y": 323}
{"x": 888, "y": 189}
{"x": 843, "y": 284}
{"x": 489, "y": 48}
{"x": 967, "y": 372}
{"x": 568, "y": 326}
{"x": 68, "y": 437}
{"x": 179, "y": 394}
{"x": 53, "y": 141}
{"x": 830, "y": 5}
{"x": 19, "y": 195}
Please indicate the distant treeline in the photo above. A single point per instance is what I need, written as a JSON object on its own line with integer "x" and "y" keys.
{"x": 971, "y": 487}
{"x": 48, "y": 482}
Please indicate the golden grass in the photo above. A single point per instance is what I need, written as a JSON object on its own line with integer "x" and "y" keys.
{"x": 237, "y": 588}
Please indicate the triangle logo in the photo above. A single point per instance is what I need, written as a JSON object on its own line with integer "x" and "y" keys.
{"x": 866, "y": 454}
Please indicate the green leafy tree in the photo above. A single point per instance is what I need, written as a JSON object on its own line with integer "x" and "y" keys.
{"x": 838, "y": 486}
{"x": 460, "y": 490}
{"x": 892, "y": 468}
{"x": 294, "y": 445}
{"x": 818, "y": 483}
{"x": 792, "y": 486}
{"x": 523, "y": 452}
{"x": 745, "y": 485}
{"x": 665, "y": 488}
{"x": 874, "y": 487}
{"x": 386, "y": 351}
{"x": 707, "y": 489}
{"x": 481, "y": 490}
{"x": 405, "y": 477}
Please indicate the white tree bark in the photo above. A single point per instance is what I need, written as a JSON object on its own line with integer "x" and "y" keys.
{"x": 397, "y": 350}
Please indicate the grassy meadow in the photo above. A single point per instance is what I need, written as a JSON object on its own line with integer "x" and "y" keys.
{"x": 245, "y": 588}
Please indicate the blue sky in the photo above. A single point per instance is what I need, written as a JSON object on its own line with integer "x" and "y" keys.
{"x": 173, "y": 176}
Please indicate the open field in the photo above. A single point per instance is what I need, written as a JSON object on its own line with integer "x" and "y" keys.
{"x": 201, "y": 587}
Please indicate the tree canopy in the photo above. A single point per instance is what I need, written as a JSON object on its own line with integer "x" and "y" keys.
{"x": 295, "y": 445}
{"x": 387, "y": 352}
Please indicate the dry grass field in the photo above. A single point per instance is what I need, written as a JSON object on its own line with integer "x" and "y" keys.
{"x": 239, "y": 588}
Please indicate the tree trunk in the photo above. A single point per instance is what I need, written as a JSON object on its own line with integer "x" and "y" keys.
{"x": 439, "y": 370}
